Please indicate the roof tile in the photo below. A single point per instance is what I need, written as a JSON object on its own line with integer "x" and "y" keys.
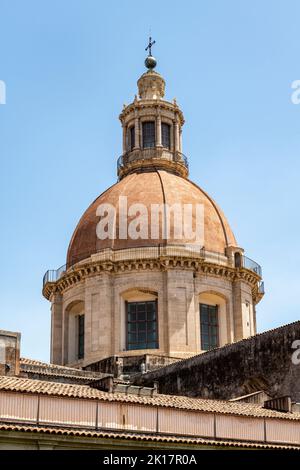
{"x": 137, "y": 436}
{"x": 17, "y": 384}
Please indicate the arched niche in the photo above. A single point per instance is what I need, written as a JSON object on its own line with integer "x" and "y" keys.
{"x": 74, "y": 334}
{"x": 237, "y": 259}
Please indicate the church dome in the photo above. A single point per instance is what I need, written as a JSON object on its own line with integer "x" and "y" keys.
{"x": 153, "y": 187}
{"x": 153, "y": 267}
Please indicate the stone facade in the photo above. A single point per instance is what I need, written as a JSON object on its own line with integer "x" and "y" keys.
{"x": 9, "y": 353}
{"x": 178, "y": 290}
{"x": 260, "y": 363}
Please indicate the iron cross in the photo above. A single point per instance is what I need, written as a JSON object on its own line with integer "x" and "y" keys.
{"x": 150, "y": 45}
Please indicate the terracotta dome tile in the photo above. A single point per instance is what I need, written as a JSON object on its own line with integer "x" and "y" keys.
{"x": 155, "y": 187}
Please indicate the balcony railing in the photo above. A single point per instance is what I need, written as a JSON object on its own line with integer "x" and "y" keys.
{"x": 261, "y": 287}
{"x": 53, "y": 275}
{"x": 151, "y": 153}
{"x": 248, "y": 263}
{"x": 151, "y": 252}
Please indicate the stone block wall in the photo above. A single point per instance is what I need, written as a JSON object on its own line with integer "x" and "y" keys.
{"x": 262, "y": 362}
{"x": 9, "y": 353}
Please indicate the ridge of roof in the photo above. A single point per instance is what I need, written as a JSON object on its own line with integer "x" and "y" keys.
{"x": 43, "y": 368}
{"x": 35, "y": 362}
{"x": 50, "y": 373}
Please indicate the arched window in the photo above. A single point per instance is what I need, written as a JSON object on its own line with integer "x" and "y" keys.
{"x": 131, "y": 138}
{"x": 141, "y": 322}
{"x": 214, "y": 316}
{"x": 148, "y": 134}
{"x": 209, "y": 325}
{"x": 165, "y": 135}
{"x": 80, "y": 336}
{"x": 74, "y": 324}
{"x": 237, "y": 260}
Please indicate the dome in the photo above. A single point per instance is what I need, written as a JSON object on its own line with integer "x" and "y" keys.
{"x": 161, "y": 271}
{"x": 154, "y": 187}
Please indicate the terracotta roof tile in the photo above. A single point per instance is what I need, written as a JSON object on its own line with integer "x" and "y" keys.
{"x": 150, "y": 188}
{"x": 180, "y": 402}
{"x": 137, "y": 436}
{"x": 50, "y": 373}
{"x": 54, "y": 370}
{"x": 34, "y": 362}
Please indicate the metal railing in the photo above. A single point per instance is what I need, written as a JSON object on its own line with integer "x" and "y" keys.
{"x": 52, "y": 275}
{"x": 152, "y": 252}
{"x": 248, "y": 263}
{"x": 261, "y": 287}
{"x": 151, "y": 153}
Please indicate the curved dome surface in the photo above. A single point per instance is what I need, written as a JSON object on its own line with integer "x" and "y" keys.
{"x": 155, "y": 187}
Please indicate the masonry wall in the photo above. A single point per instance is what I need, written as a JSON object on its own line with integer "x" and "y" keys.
{"x": 262, "y": 362}
{"x": 178, "y": 291}
{"x": 9, "y": 352}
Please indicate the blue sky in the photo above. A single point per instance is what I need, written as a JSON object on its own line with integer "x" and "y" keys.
{"x": 69, "y": 66}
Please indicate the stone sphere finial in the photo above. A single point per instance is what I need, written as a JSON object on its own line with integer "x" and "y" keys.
{"x": 150, "y": 62}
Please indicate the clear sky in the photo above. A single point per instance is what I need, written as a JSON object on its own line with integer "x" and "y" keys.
{"x": 69, "y": 65}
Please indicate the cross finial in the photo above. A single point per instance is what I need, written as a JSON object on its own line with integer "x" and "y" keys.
{"x": 150, "y": 44}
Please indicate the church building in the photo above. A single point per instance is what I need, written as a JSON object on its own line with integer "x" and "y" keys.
{"x": 154, "y": 341}
{"x": 156, "y": 291}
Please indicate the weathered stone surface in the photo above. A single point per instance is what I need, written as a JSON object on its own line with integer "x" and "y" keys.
{"x": 262, "y": 362}
{"x": 128, "y": 365}
{"x": 9, "y": 352}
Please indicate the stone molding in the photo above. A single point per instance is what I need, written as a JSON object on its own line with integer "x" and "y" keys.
{"x": 82, "y": 271}
{"x": 176, "y": 167}
{"x": 146, "y": 108}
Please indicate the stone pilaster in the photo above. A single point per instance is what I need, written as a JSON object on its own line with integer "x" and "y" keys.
{"x": 176, "y": 136}
{"x": 98, "y": 318}
{"x": 124, "y": 139}
{"x": 180, "y": 140}
{"x": 172, "y": 139}
{"x": 244, "y": 323}
{"x": 158, "y": 131}
{"x": 181, "y": 313}
{"x": 56, "y": 329}
{"x": 137, "y": 143}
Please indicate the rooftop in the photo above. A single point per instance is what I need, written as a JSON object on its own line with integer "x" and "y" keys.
{"x": 17, "y": 384}
{"x": 138, "y": 437}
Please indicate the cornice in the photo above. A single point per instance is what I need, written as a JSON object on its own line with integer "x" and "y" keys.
{"x": 162, "y": 163}
{"x": 138, "y": 105}
{"x": 79, "y": 273}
